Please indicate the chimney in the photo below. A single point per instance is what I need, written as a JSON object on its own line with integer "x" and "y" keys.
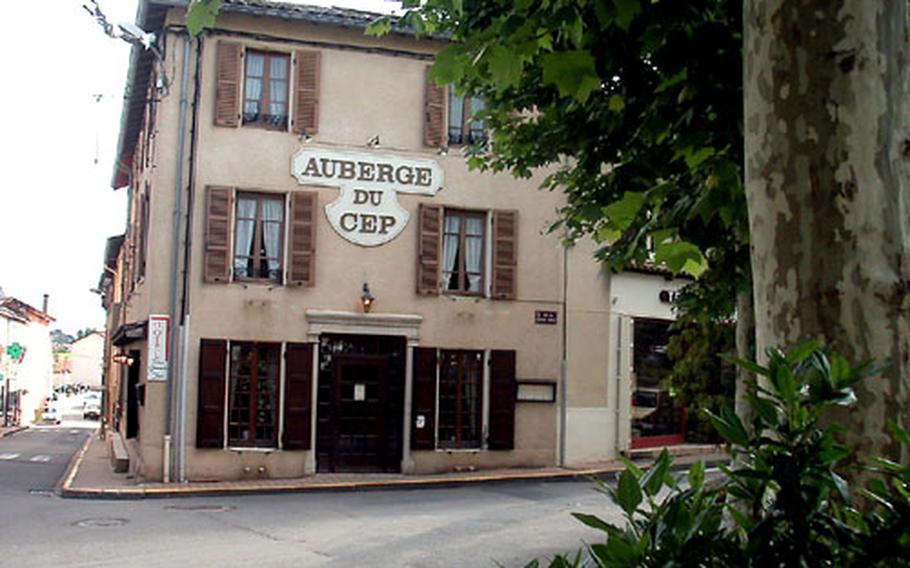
{"x": 44, "y": 303}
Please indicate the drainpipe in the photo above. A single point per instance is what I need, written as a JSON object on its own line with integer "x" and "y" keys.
{"x": 564, "y": 363}
{"x": 172, "y": 401}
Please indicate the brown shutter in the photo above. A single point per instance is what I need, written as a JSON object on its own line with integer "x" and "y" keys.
{"x": 302, "y": 249}
{"x": 218, "y": 205}
{"x": 434, "y": 132}
{"x": 228, "y": 71}
{"x": 212, "y": 376}
{"x": 429, "y": 233}
{"x": 503, "y": 389}
{"x": 505, "y": 253}
{"x": 306, "y": 103}
{"x": 424, "y": 399}
{"x": 298, "y": 389}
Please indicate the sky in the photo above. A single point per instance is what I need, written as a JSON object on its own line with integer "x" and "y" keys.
{"x": 62, "y": 94}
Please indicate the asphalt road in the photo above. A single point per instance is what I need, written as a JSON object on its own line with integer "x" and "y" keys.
{"x": 473, "y": 526}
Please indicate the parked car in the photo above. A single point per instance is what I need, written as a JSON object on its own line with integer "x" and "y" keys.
{"x": 91, "y": 410}
{"x": 50, "y": 415}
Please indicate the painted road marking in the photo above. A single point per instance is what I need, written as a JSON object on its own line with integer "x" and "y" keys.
{"x": 8, "y": 456}
{"x": 40, "y": 458}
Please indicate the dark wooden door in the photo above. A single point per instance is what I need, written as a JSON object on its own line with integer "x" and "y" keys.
{"x": 357, "y": 422}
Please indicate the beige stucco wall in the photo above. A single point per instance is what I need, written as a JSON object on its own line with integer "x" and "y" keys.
{"x": 365, "y": 94}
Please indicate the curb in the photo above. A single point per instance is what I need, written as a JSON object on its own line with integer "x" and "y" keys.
{"x": 13, "y": 430}
{"x": 139, "y": 493}
{"x": 65, "y": 482}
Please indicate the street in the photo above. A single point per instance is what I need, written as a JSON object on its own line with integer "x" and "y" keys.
{"x": 479, "y": 525}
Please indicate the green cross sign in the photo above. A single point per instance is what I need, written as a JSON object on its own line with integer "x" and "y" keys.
{"x": 15, "y": 350}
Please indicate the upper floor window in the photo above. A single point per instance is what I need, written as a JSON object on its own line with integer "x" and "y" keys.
{"x": 258, "y": 237}
{"x": 462, "y": 252}
{"x": 463, "y": 129}
{"x": 265, "y": 100}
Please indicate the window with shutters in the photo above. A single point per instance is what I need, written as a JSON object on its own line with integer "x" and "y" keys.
{"x": 265, "y": 91}
{"x": 253, "y": 394}
{"x": 255, "y": 88}
{"x": 240, "y": 394}
{"x": 258, "y": 237}
{"x": 463, "y": 252}
{"x": 460, "y": 400}
{"x": 463, "y": 128}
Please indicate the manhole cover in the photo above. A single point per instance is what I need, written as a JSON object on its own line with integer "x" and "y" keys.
{"x": 41, "y": 492}
{"x": 200, "y": 508}
{"x": 100, "y": 523}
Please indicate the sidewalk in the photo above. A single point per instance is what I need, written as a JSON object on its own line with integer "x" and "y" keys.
{"x": 91, "y": 476}
{"x": 10, "y": 430}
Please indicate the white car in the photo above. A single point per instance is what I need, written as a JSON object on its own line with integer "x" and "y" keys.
{"x": 49, "y": 415}
{"x": 91, "y": 410}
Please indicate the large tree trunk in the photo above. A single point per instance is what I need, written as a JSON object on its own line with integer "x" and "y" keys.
{"x": 827, "y": 150}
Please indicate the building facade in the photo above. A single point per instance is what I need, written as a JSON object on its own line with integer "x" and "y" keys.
{"x": 312, "y": 280}
{"x": 27, "y": 377}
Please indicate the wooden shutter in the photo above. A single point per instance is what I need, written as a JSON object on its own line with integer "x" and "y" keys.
{"x": 298, "y": 392}
{"x": 429, "y": 233}
{"x": 424, "y": 399}
{"x": 434, "y": 132}
{"x": 302, "y": 249}
{"x": 306, "y": 92}
{"x": 216, "y": 261}
{"x": 228, "y": 77}
{"x": 212, "y": 377}
{"x": 503, "y": 390}
{"x": 505, "y": 253}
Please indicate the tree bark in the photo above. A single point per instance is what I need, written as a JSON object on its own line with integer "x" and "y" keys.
{"x": 827, "y": 147}
{"x": 745, "y": 349}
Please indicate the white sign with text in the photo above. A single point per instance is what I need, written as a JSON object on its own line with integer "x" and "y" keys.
{"x": 159, "y": 347}
{"x": 367, "y": 211}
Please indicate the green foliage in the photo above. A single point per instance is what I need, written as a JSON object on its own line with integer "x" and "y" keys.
{"x": 784, "y": 502}
{"x": 202, "y": 14}
{"x": 700, "y": 379}
{"x": 644, "y": 99}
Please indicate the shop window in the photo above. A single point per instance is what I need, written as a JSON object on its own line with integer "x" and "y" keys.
{"x": 265, "y": 91}
{"x": 258, "y": 236}
{"x": 253, "y": 394}
{"x": 656, "y": 418}
{"x": 462, "y": 252}
{"x": 460, "y": 399}
{"x": 463, "y": 128}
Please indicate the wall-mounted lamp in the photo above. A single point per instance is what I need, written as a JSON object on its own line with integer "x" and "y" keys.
{"x": 373, "y": 142}
{"x": 443, "y": 151}
{"x": 366, "y": 299}
{"x": 305, "y": 137}
{"x": 122, "y": 359}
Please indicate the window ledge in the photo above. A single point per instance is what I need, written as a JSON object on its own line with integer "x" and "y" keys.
{"x": 242, "y": 449}
{"x": 460, "y": 450}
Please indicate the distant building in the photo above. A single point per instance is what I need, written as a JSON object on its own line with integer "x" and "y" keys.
{"x": 85, "y": 360}
{"x": 29, "y": 378}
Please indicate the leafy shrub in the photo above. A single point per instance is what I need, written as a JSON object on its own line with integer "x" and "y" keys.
{"x": 785, "y": 501}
